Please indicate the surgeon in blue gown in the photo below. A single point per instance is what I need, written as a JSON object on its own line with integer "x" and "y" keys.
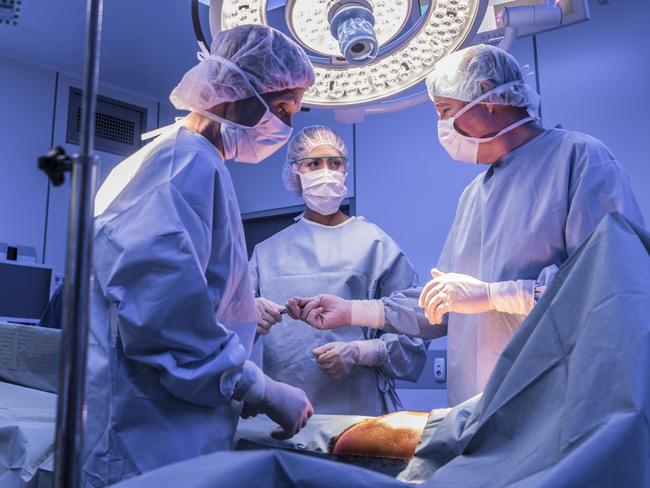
{"x": 543, "y": 193}
{"x": 173, "y": 314}
{"x": 345, "y": 371}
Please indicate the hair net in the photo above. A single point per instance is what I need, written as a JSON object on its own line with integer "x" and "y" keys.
{"x": 304, "y": 142}
{"x": 459, "y": 76}
{"x": 271, "y": 61}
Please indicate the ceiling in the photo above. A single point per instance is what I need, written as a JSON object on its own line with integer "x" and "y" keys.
{"x": 146, "y": 44}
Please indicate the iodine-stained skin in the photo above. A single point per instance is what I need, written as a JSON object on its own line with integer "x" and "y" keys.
{"x": 393, "y": 436}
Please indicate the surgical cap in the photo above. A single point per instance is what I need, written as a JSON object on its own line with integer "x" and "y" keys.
{"x": 459, "y": 76}
{"x": 303, "y": 143}
{"x": 271, "y": 61}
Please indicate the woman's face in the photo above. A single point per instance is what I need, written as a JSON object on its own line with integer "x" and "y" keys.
{"x": 323, "y": 157}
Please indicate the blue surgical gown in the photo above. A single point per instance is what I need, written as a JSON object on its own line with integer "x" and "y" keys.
{"x": 519, "y": 220}
{"x": 354, "y": 260}
{"x": 173, "y": 315}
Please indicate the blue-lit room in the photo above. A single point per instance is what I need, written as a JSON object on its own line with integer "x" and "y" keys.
{"x": 324, "y": 243}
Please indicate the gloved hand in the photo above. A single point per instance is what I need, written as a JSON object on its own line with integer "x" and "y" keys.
{"x": 268, "y": 314}
{"x": 284, "y": 404}
{"x": 295, "y": 306}
{"x": 321, "y": 312}
{"x": 248, "y": 410}
{"x": 332, "y": 312}
{"x": 338, "y": 358}
{"x": 453, "y": 292}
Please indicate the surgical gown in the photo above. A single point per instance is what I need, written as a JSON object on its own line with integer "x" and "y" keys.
{"x": 519, "y": 220}
{"x": 567, "y": 405}
{"x": 354, "y": 260}
{"x": 173, "y": 315}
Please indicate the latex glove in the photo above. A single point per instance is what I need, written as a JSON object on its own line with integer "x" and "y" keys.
{"x": 332, "y": 312}
{"x": 453, "y": 292}
{"x": 338, "y": 358}
{"x": 322, "y": 311}
{"x": 284, "y": 404}
{"x": 268, "y": 314}
{"x": 248, "y": 410}
{"x": 295, "y": 306}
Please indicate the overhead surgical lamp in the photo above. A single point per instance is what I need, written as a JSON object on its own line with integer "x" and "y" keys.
{"x": 371, "y": 56}
{"x": 352, "y": 24}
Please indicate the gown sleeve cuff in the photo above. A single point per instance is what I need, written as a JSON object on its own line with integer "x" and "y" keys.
{"x": 249, "y": 383}
{"x": 367, "y": 313}
{"x": 372, "y": 353}
{"x": 512, "y": 297}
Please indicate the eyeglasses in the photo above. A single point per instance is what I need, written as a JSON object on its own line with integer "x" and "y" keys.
{"x": 333, "y": 163}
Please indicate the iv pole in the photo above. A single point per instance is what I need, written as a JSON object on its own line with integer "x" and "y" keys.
{"x": 76, "y": 314}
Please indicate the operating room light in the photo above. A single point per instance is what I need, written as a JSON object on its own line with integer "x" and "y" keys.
{"x": 352, "y": 24}
{"x": 403, "y": 59}
{"x": 305, "y": 19}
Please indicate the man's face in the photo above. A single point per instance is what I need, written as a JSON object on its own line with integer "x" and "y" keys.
{"x": 478, "y": 121}
{"x": 447, "y": 107}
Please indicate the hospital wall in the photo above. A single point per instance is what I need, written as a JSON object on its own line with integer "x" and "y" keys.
{"x": 33, "y": 118}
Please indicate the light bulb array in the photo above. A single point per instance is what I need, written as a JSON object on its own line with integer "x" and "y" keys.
{"x": 445, "y": 26}
{"x": 307, "y": 20}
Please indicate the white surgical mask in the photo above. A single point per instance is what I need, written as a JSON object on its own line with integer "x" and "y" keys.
{"x": 323, "y": 190}
{"x": 250, "y": 144}
{"x": 465, "y": 148}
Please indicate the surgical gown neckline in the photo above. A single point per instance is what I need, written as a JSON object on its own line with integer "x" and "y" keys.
{"x": 337, "y": 226}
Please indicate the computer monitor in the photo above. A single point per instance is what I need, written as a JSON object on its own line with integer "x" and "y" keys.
{"x": 25, "y": 290}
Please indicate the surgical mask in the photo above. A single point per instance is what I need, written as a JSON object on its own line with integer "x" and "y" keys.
{"x": 323, "y": 190}
{"x": 250, "y": 144}
{"x": 465, "y": 148}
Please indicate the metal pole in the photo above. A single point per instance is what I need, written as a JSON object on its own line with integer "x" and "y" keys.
{"x": 76, "y": 314}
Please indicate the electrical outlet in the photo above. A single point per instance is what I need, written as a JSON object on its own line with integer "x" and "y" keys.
{"x": 429, "y": 380}
{"x": 440, "y": 369}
